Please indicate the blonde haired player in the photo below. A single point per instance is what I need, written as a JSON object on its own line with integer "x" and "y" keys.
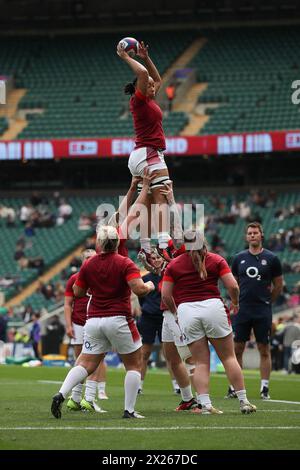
{"x": 110, "y": 278}
{"x": 75, "y": 310}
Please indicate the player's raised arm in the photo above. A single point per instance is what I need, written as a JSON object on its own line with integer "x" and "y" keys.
{"x": 138, "y": 69}
{"x": 153, "y": 72}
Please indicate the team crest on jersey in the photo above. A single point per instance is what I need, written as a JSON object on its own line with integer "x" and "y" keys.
{"x": 263, "y": 262}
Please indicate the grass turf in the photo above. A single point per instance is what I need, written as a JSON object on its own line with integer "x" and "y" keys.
{"x": 26, "y": 421}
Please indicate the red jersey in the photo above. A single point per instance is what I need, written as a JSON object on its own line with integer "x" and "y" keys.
{"x": 147, "y": 122}
{"x": 188, "y": 286}
{"x": 163, "y": 306}
{"x": 122, "y": 248}
{"x": 79, "y": 306}
{"x": 106, "y": 276}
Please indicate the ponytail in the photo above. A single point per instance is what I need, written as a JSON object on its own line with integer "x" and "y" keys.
{"x": 198, "y": 259}
{"x": 129, "y": 89}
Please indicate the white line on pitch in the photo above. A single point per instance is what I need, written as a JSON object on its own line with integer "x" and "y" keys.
{"x": 285, "y": 401}
{"x": 172, "y": 428}
{"x": 50, "y": 381}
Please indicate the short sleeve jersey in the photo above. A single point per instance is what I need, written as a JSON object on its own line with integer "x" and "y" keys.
{"x": 106, "y": 275}
{"x": 254, "y": 274}
{"x": 147, "y": 122}
{"x": 79, "y": 306}
{"x": 188, "y": 286}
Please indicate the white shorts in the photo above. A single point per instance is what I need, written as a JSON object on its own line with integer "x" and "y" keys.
{"x": 148, "y": 157}
{"x": 206, "y": 318}
{"x": 78, "y": 332}
{"x": 102, "y": 334}
{"x": 171, "y": 333}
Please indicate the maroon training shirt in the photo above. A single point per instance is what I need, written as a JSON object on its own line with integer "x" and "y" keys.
{"x": 79, "y": 306}
{"x": 188, "y": 286}
{"x": 106, "y": 276}
{"x": 147, "y": 122}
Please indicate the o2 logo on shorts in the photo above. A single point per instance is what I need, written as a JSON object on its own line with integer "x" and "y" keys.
{"x": 183, "y": 337}
{"x": 88, "y": 345}
{"x": 252, "y": 272}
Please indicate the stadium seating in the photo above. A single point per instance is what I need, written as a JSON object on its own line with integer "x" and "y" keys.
{"x": 77, "y": 82}
{"x": 51, "y": 243}
{"x": 3, "y": 125}
{"x": 55, "y": 243}
{"x": 249, "y": 73}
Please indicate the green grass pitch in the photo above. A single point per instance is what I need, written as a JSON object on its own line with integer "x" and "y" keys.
{"x": 26, "y": 421}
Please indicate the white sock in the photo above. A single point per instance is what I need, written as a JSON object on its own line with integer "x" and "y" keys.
{"x": 90, "y": 390}
{"x": 77, "y": 392}
{"x": 132, "y": 383}
{"x": 75, "y": 376}
{"x": 186, "y": 393}
{"x": 101, "y": 386}
{"x": 231, "y": 388}
{"x": 241, "y": 395}
{"x": 264, "y": 383}
{"x": 163, "y": 238}
{"x": 204, "y": 400}
{"x": 146, "y": 244}
{"x": 175, "y": 385}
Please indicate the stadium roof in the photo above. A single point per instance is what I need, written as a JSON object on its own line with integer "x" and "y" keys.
{"x": 60, "y": 14}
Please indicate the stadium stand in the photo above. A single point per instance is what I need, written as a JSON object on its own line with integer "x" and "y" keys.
{"x": 75, "y": 83}
{"x": 3, "y": 125}
{"x": 249, "y": 73}
{"x": 225, "y": 219}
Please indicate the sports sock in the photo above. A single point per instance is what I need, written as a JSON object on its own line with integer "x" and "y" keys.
{"x": 77, "y": 392}
{"x": 175, "y": 384}
{"x": 242, "y": 396}
{"x": 163, "y": 239}
{"x": 186, "y": 393}
{"x": 132, "y": 383}
{"x": 90, "y": 390}
{"x": 204, "y": 400}
{"x": 75, "y": 376}
{"x": 146, "y": 244}
{"x": 101, "y": 386}
{"x": 264, "y": 383}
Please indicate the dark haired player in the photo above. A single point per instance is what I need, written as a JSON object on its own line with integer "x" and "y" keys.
{"x": 149, "y": 144}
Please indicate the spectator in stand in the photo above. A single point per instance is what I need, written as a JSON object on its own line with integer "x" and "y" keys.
{"x": 170, "y": 92}
{"x": 29, "y": 230}
{"x": 64, "y": 212}
{"x": 47, "y": 290}
{"x": 25, "y": 213}
{"x": 84, "y": 222}
{"x": 9, "y": 214}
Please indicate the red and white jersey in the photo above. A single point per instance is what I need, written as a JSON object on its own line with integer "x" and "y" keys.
{"x": 147, "y": 122}
{"x": 79, "y": 306}
{"x": 188, "y": 286}
{"x": 106, "y": 276}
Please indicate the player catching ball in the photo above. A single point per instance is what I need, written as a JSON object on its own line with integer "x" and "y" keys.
{"x": 149, "y": 142}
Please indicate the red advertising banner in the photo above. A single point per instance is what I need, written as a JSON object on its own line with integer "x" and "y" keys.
{"x": 226, "y": 144}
